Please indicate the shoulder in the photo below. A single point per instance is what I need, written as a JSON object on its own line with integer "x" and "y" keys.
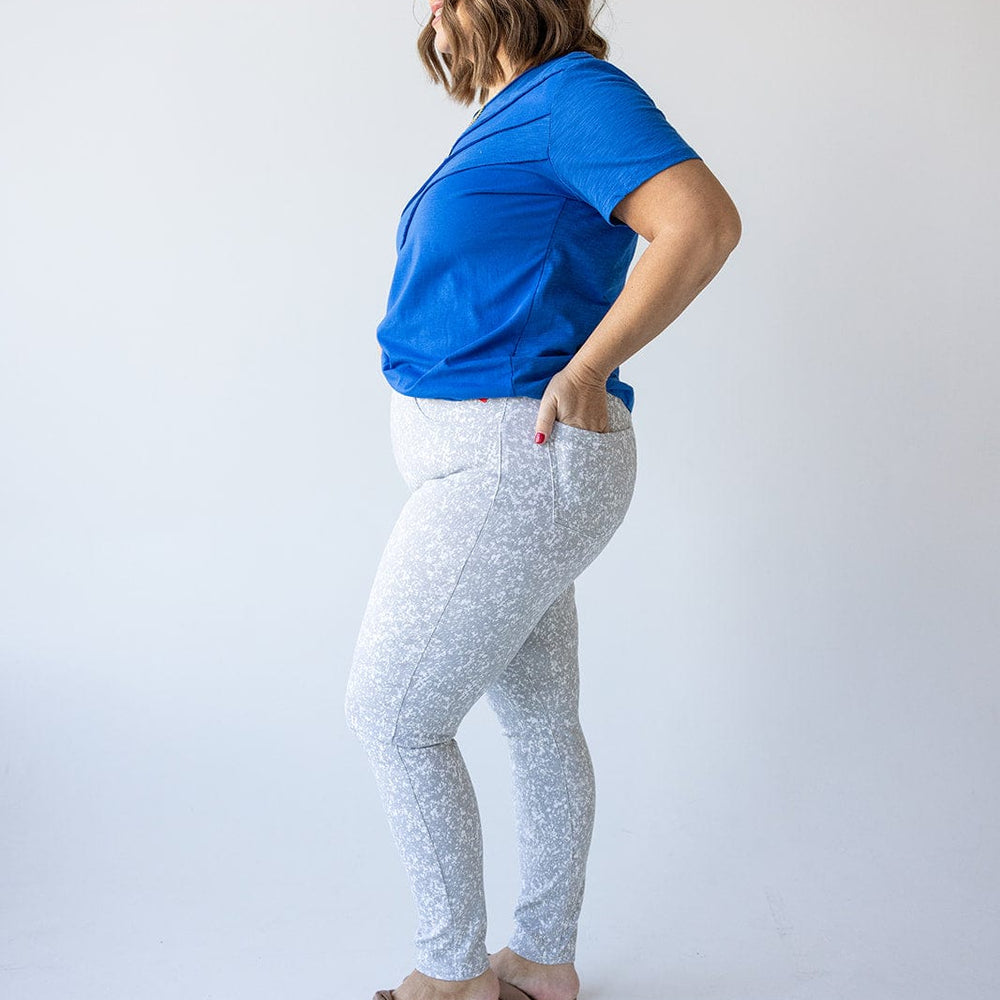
{"x": 599, "y": 93}
{"x": 584, "y": 68}
{"x": 590, "y": 88}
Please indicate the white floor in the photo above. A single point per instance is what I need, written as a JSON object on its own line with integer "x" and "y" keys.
{"x": 216, "y": 860}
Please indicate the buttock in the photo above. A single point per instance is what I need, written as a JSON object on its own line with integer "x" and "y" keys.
{"x": 578, "y": 480}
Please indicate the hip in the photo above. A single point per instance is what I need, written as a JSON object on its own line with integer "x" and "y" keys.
{"x": 578, "y": 479}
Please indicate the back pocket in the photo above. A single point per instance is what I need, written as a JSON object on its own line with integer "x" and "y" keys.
{"x": 593, "y": 477}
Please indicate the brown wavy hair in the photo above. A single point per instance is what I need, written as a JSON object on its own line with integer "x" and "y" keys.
{"x": 532, "y": 32}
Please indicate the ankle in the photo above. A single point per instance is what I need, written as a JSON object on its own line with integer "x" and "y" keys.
{"x": 543, "y": 981}
{"x": 527, "y": 963}
{"x": 485, "y": 986}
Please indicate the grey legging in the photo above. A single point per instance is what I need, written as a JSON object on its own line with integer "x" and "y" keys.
{"x": 474, "y": 595}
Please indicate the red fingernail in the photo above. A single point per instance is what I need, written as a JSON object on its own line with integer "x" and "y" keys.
{"x": 539, "y": 437}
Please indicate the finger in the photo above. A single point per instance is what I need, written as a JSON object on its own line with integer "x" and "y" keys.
{"x": 544, "y": 421}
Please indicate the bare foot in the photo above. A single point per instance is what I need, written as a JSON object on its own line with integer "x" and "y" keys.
{"x": 417, "y": 986}
{"x": 543, "y": 982}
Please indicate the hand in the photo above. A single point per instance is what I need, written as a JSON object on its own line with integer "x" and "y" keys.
{"x": 572, "y": 397}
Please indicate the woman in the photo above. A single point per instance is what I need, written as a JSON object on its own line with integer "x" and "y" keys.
{"x": 507, "y": 319}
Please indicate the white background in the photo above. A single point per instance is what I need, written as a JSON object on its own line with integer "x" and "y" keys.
{"x": 789, "y": 650}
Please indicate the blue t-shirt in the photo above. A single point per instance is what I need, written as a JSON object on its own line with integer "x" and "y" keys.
{"x": 507, "y": 256}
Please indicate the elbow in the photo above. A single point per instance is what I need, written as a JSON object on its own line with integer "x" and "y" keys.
{"x": 709, "y": 238}
{"x": 727, "y": 230}
{"x": 713, "y": 240}
{"x": 715, "y": 237}
{"x": 715, "y": 231}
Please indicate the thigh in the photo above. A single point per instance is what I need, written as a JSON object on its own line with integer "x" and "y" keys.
{"x": 460, "y": 585}
{"x": 473, "y": 562}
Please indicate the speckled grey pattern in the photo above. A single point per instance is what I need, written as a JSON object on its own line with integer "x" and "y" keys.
{"x": 473, "y": 595}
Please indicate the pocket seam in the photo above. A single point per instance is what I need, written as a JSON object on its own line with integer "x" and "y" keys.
{"x": 587, "y": 430}
{"x": 420, "y": 409}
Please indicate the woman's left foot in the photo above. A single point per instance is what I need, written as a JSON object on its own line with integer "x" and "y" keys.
{"x": 538, "y": 981}
{"x": 417, "y": 986}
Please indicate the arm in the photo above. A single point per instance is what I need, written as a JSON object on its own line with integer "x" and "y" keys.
{"x": 692, "y": 226}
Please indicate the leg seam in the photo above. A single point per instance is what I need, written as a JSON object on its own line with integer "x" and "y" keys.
{"x": 472, "y": 549}
{"x": 420, "y": 658}
{"x": 437, "y": 857}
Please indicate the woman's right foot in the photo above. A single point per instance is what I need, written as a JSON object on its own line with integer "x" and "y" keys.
{"x": 541, "y": 982}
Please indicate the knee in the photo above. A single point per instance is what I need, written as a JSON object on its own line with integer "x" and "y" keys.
{"x": 370, "y": 714}
{"x": 377, "y": 719}
{"x": 370, "y": 704}
{"x": 361, "y": 711}
{"x": 384, "y": 704}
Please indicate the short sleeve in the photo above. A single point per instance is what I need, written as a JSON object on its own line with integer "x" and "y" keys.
{"x": 606, "y": 136}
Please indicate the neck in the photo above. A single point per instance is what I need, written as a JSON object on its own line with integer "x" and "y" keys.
{"x": 508, "y": 73}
